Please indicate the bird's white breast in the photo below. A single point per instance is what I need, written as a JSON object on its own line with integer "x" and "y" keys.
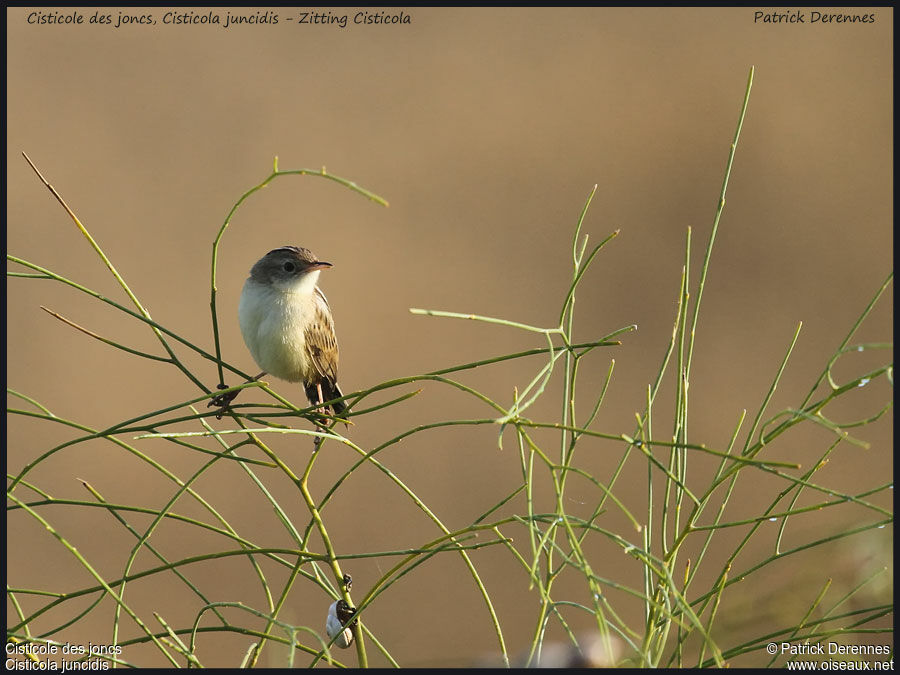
{"x": 273, "y": 319}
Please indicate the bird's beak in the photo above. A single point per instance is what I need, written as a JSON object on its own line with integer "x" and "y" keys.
{"x": 320, "y": 265}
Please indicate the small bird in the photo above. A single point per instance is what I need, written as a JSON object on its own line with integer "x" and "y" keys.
{"x": 287, "y": 323}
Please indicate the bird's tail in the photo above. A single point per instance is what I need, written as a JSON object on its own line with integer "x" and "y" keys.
{"x": 330, "y": 390}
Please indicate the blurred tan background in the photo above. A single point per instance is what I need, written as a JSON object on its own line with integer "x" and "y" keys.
{"x": 485, "y": 129}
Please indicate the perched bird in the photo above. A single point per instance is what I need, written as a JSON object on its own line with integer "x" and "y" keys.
{"x": 287, "y": 324}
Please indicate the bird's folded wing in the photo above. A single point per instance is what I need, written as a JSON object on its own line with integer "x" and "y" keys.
{"x": 320, "y": 341}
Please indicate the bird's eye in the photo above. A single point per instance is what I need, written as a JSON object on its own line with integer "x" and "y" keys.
{"x": 289, "y": 266}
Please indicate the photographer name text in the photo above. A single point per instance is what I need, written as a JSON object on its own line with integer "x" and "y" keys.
{"x": 800, "y": 16}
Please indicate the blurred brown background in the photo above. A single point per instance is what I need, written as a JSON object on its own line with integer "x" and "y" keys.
{"x": 485, "y": 129}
